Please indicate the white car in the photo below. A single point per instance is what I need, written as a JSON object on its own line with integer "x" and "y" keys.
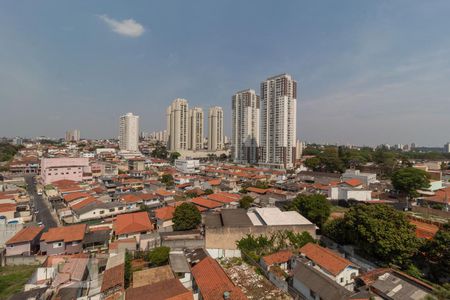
{"x": 40, "y": 223}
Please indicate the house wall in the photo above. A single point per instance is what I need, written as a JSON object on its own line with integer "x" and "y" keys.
{"x": 303, "y": 289}
{"x": 53, "y": 169}
{"x": 345, "y": 277}
{"x": 18, "y": 249}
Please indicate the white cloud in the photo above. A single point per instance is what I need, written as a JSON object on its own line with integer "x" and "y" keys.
{"x": 128, "y": 27}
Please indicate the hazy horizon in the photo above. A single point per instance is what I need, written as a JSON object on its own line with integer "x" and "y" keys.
{"x": 368, "y": 72}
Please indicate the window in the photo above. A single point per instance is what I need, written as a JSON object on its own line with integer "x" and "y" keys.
{"x": 111, "y": 209}
{"x": 312, "y": 294}
{"x": 57, "y": 245}
{"x": 120, "y": 208}
{"x": 102, "y": 212}
{"x": 342, "y": 279}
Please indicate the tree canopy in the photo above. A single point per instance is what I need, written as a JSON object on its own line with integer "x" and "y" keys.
{"x": 409, "y": 180}
{"x": 437, "y": 254}
{"x": 378, "y": 231}
{"x": 257, "y": 246}
{"x": 315, "y": 208}
{"x": 160, "y": 151}
{"x": 246, "y": 202}
{"x": 186, "y": 217}
{"x": 158, "y": 256}
{"x": 167, "y": 179}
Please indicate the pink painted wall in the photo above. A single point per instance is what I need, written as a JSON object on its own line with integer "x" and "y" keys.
{"x": 53, "y": 169}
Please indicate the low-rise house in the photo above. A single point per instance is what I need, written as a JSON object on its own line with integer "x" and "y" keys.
{"x": 99, "y": 210}
{"x": 63, "y": 240}
{"x": 212, "y": 283}
{"x": 365, "y": 178}
{"x": 164, "y": 216}
{"x": 152, "y": 275}
{"x": 24, "y": 242}
{"x": 132, "y": 225}
{"x": 205, "y": 204}
{"x": 339, "y": 269}
{"x": 113, "y": 283}
{"x": 280, "y": 259}
{"x": 180, "y": 266}
{"x": 315, "y": 285}
{"x": 170, "y": 289}
{"x": 394, "y": 285}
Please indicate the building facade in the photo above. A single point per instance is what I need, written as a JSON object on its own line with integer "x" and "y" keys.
{"x": 129, "y": 132}
{"x": 177, "y": 125}
{"x": 278, "y": 121}
{"x": 195, "y": 128}
{"x": 70, "y": 168}
{"x": 215, "y": 128}
{"x": 72, "y": 135}
{"x": 245, "y": 126}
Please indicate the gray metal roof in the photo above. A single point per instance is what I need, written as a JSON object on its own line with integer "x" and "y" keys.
{"x": 178, "y": 262}
{"x": 319, "y": 283}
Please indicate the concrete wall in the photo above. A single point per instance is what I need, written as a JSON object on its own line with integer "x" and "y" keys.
{"x": 7, "y": 231}
{"x": 18, "y": 249}
{"x": 226, "y": 237}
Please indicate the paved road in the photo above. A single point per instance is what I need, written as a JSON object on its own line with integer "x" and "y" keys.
{"x": 44, "y": 214}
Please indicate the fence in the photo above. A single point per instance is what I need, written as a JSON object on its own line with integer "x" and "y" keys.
{"x": 431, "y": 211}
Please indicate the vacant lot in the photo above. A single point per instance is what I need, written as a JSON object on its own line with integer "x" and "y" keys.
{"x": 254, "y": 285}
{"x": 13, "y": 278}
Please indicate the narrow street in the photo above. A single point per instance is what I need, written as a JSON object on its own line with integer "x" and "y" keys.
{"x": 44, "y": 214}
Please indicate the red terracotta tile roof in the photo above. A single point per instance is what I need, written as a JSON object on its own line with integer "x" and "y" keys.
{"x": 257, "y": 190}
{"x": 66, "y": 233}
{"x": 353, "y": 182}
{"x": 170, "y": 289}
{"x": 424, "y": 230}
{"x": 213, "y": 282}
{"x": 164, "y": 213}
{"x": 113, "y": 278}
{"x": 214, "y": 182}
{"x": 222, "y": 198}
{"x": 5, "y": 207}
{"x": 132, "y": 223}
{"x": 27, "y": 234}
{"x": 74, "y": 196}
{"x": 325, "y": 258}
{"x": 63, "y": 182}
{"x": 277, "y": 257}
{"x": 163, "y": 193}
{"x": 205, "y": 202}
{"x": 440, "y": 196}
{"x": 130, "y": 198}
{"x": 84, "y": 202}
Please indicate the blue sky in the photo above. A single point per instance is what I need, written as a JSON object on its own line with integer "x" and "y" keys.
{"x": 369, "y": 72}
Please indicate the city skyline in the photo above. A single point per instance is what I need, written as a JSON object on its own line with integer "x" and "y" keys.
{"x": 369, "y": 73}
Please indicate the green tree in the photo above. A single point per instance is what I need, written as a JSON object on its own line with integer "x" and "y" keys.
{"x": 158, "y": 256}
{"x": 160, "y": 151}
{"x": 186, "y": 217}
{"x": 377, "y": 230}
{"x": 315, "y": 208}
{"x": 313, "y": 163}
{"x": 409, "y": 180}
{"x": 128, "y": 271}
{"x": 174, "y": 156}
{"x": 437, "y": 254}
{"x": 167, "y": 179}
{"x": 442, "y": 292}
{"x": 209, "y": 192}
{"x": 246, "y": 202}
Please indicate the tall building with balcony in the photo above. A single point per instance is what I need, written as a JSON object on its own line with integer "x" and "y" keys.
{"x": 215, "y": 128}
{"x": 195, "y": 128}
{"x": 278, "y": 121}
{"x": 129, "y": 133}
{"x": 245, "y": 126}
{"x": 177, "y": 125}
